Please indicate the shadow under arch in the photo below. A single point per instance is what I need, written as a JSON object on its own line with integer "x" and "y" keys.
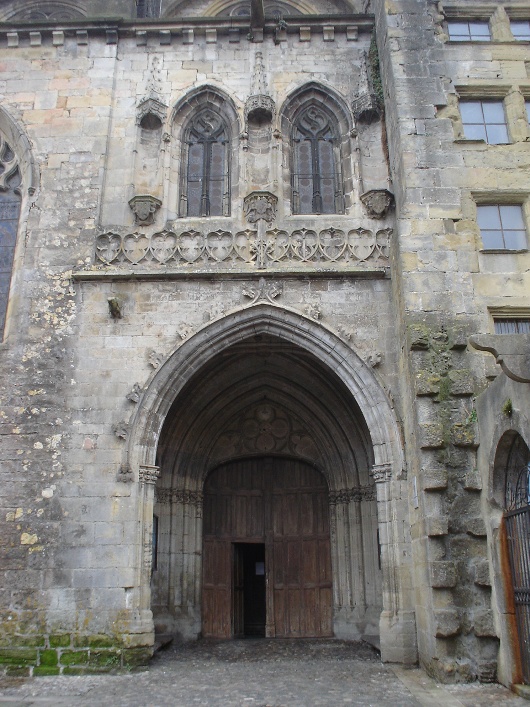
{"x": 385, "y": 466}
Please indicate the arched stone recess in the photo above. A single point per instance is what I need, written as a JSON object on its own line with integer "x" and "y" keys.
{"x": 18, "y": 183}
{"x": 191, "y": 8}
{"x": 333, "y": 106}
{"x": 44, "y": 11}
{"x": 500, "y": 428}
{"x": 190, "y": 105}
{"x": 268, "y": 381}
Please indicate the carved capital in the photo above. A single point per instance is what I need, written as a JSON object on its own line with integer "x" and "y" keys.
{"x": 148, "y": 474}
{"x": 260, "y": 205}
{"x": 381, "y": 473}
{"x": 377, "y": 202}
{"x": 144, "y": 207}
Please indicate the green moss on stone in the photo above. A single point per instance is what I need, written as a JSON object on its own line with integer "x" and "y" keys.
{"x": 136, "y": 657}
{"x": 29, "y": 641}
{"x": 46, "y": 670}
{"x": 60, "y": 640}
{"x": 104, "y": 659}
{"x": 74, "y": 657}
{"x": 48, "y": 657}
{"x": 101, "y": 641}
{"x": 18, "y": 656}
{"x": 69, "y": 670}
{"x": 17, "y": 670}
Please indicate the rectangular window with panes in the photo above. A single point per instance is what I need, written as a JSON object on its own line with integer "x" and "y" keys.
{"x": 469, "y": 31}
{"x": 484, "y": 120}
{"x": 511, "y": 325}
{"x": 502, "y": 227}
{"x": 520, "y": 30}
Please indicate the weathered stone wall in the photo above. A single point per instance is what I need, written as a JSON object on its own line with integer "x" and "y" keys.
{"x": 446, "y": 288}
{"x": 104, "y": 296}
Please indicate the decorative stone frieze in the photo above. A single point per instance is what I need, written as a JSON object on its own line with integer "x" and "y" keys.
{"x": 182, "y": 496}
{"x": 276, "y": 249}
{"x": 377, "y": 202}
{"x": 144, "y": 208}
{"x": 355, "y": 494}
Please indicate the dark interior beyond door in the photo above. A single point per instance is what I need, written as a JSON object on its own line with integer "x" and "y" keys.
{"x": 249, "y": 589}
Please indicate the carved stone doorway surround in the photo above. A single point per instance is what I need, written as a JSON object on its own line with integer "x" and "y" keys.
{"x": 310, "y": 338}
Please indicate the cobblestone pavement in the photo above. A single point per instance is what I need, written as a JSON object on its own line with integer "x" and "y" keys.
{"x": 255, "y": 673}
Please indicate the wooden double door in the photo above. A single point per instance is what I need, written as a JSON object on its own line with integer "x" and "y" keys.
{"x": 266, "y": 550}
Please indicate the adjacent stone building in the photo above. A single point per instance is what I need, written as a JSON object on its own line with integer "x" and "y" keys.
{"x": 255, "y": 260}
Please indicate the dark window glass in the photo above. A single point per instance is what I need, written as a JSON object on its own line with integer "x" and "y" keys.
{"x": 484, "y": 120}
{"x": 502, "y": 227}
{"x": 469, "y": 31}
{"x": 512, "y": 326}
{"x": 207, "y": 165}
{"x": 315, "y": 176}
{"x": 520, "y": 30}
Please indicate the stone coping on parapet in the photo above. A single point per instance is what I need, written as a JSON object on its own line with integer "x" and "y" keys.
{"x": 103, "y": 273}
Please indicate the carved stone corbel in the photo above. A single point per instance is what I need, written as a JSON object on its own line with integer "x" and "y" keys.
{"x": 260, "y": 205}
{"x": 144, "y": 207}
{"x": 377, "y": 202}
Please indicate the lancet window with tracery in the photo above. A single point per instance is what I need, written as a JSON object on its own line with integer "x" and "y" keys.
{"x": 10, "y": 200}
{"x": 315, "y": 172}
{"x": 206, "y": 185}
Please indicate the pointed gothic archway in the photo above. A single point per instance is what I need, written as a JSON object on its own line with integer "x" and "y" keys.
{"x": 201, "y": 410}
{"x": 511, "y": 495}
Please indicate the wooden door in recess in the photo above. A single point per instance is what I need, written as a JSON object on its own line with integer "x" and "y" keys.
{"x": 283, "y": 505}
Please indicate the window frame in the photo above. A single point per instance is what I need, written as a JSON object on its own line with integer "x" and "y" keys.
{"x": 221, "y": 136}
{"x": 469, "y": 36}
{"x": 316, "y": 141}
{"x": 485, "y": 122}
{"x": 502, "y": 230}
{"x": 520, "y": 22}
{"x": 518, "y": 321}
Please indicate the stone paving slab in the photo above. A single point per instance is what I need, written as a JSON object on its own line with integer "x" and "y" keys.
{"x": 255, "y": 673}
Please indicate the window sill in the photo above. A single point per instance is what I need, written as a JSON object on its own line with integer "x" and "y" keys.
{"x": 496, "y": 251}
{"x": 472, "y": 141}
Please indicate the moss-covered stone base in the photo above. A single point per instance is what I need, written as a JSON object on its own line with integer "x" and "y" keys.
{"x": 70, "y": 654}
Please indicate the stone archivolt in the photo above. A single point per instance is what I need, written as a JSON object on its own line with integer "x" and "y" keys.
{"x": 275, "y": 248}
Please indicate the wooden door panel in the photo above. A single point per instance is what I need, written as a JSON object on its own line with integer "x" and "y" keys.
{"x": 284, "y": 504}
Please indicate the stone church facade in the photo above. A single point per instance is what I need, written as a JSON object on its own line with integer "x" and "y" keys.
{"x": 255, "y": 260}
